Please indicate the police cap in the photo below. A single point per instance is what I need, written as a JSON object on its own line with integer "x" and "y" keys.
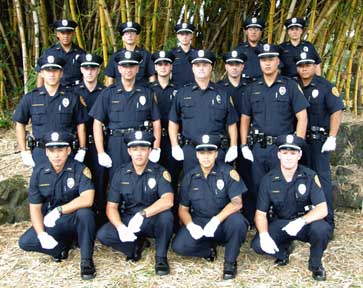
{"x": 127, "y": 58}
{"x": 163, "y": 56}
{"x": 267, "y": 51}
{"x": 139, "y": 138}
{"x": 253, "y": 22}
{"x": 207, "y": 142}
{"x": 90, "y": 60}
{"x": 305, "y": 57}
{"x": 290, "y": 142}
{"x": 184, "y": 27}
{"x": 57, "y": 139}
{"x": 51, "y": 62}
{"x": 130, "y": 26}
{"x": 202, "y": 56}
{"x": 295, "y": 22}
{"x": 65, "y": 25}
{"x": 234, "y": 56}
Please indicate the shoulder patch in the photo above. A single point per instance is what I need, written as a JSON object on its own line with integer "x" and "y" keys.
{"x": 166, "y": 176}
{"x": 298, "y": 86}
{"x": 155, "y": 98}
{"x": 317, "y": 181}
{"x": 87, "y": 173}
{"x": 335, "y": 91}
{"x": 234, "y": 175}
{"x": 231, "y": 100}
{"x": 82, "y": 101}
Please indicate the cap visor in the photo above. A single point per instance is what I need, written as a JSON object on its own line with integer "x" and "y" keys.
{"x": 268, "y": 55}
{"x": 90, "y": 64}
{"x": 206, "y": 147}
{"x": 139, "y": 143}
{"x": 289, "y": 147}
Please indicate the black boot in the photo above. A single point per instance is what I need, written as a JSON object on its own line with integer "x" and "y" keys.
{"x": 284, "y": 261}
{"x": 63, "y": 255}
{"x": 213, "y": 254}
{"x": 229, "y": 270}
{"x": 141, "y": 244}
{"x": 319, "y": 273}
{"x": 161, "y": 266}
{"x": 88, "y": 270}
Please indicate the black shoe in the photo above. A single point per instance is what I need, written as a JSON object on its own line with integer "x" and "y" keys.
{"x": 63, "y": 255}
{"x": 285, "y": 260}
{"x": 213, "y": 254}
{"x": 161, "y": 266}
{"x": 229, "y": 270}
{"x": 88, "y": 270}
{"x": 141, "y": 244}
{"x": 319, "y": 273}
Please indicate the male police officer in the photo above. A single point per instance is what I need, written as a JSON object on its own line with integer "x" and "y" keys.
{"x": 182, "y": 70}
{"x": 289, "y": 51}
{"x": 124, "y": 108}
{"x": 202, "y": 108}
{"x": 50, "y": 107}
{"x": 299, "y": 208}
{"x": 89, "y": 90}
{"x": 130, "y": 32}
{"x": 253, "y": 29}
{"x": 271, "y": 105}
{"x": 66, "y": 49}
{"x": 60, "y": 195}
{"x": 210, "y": 201}
{"x": 325, "y": 115}
{"x": 140, "y": 197}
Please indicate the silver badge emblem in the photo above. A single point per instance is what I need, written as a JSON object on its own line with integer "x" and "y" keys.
{"x": 184, "y": 25}
{"x": 70, "y": 183}
{"x": 201, "y": 53}
{"x": 65, "y": 102}
{"x": 142, "y": 100}
{"x": 220, "y": 184}
{"x": 205, "y": 139}
{"x": 162, "y": 54}
{"x": 306, "y": 49}
{"x": 293, "y": 20}
{"x": 254, "y": 20}
{"x": 234, "y": 54}
{"x": 127, "y": 54}
{"x": 50, "y": 59}
{"x": 282, "y": 90}
{"x": 54, "y": 136}
{"x": 219, "y": 99}
{"x": 138, "y": 135}
{"x": 301, "y": 188}
{"x": 151, "y": 183}
{"x": 89, "y": 57}
{"x": 289, "y": 139}
{"x": 65, "y": 22}
{"x": 315, "y": 93}
{"x": 266, "y": 47}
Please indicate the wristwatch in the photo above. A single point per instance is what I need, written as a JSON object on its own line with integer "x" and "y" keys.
{"x": 60, "y": 210}
{"x": 143, "y": 213}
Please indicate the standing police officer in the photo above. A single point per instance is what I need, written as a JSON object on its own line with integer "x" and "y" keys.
{"x": 289, "y": 51}
{"x": 325, "y": 115}
{"x": 254, "y": 30}
{"x": 66, "y": 49}
{"x": 210, "y": 201}
{"x": 182, "y": 69}
{"x": 270, "y": 108}
{"x": 50, "y": 107}
{"x": 130, "y": 33}
{"x": 140, "y": 197}
{"x": 60, "y": 196}
{"x": 202, "y": 107}
{"x": 299, "y": 208}
{"x": 124, "y": 108}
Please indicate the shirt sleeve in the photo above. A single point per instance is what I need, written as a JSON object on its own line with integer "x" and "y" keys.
{"x": 333, "y": 101}
{"x": 317, "y": 195}
{"x": 263, "y": 199}
{"x": 110, "y": 68}
{"x": 34, "y": 193}
{"x": 246, "y": 107}
{"x": 232, "y": 114}
{"x": 299, "y": 102}
{"x": 81, "y": 113}
{"x": 99, "y": 109}
{"x": 155, "y": 113}
{"x": 164, "y": 183}
{"x": 184, "y": 191}
{"x": 114, "y": 194}
{"x": 236, "y": 186}
{"x": 150, "y": 68}
{"x": 22, "y": 112}
{"x": 85, "y": 182}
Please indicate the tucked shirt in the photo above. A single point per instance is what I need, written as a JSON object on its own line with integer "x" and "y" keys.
{"x": 182, "y": 69}
{"x": 252, "y": 67}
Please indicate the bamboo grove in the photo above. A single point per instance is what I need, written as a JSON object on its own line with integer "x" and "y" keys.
{"x": 334, "y": 26}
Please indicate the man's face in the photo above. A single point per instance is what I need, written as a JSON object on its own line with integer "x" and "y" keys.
{"x": 234, "y": 69}
{"x": 253, "y": 34}
{"x": 202, "y": 70}
{"x": 295, "y": 33}
{"x": 207, "y": 158}
{"x": 51, "y": 76}
{"x": 289, "y": 159}
{"x": 65, "y": 37}
{"x": 90, "y": 74}
{"x": 58, "y": 156}
{"x": 185, "y": 38}
{"x": 129, "y": 37}
{"x": 128, "y": 72}
{"x": 163, "y": 68}
{"x": 306, "y": 71}
{"x": 269, "y": 65}
{"x": 139, "y": 155}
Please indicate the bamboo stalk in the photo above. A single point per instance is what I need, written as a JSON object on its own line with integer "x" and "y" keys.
{"x": 103, "y": 33}
{"x": 109, "y": 25}
{"x": 324, "y": 18}
{"x": 271, "y": 21}
{"x": 289, "y": 15}
{"x": 312, "y": 20}
{"x": 78, "y": 29}
{"x": 123, "y": 11}
{"x": 36, "y": 31}
{"x": 167, "y": 22}
{"x": 43, "y": 23}
{"x": 154, "y": 25}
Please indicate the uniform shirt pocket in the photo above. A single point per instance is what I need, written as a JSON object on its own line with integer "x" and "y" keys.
{"x": 188, "y": 109}
{"x": 257, "y": 103}
{"x": 38, "y": 115}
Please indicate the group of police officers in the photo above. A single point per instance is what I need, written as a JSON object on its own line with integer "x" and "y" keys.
{"x": 164, "y": 108}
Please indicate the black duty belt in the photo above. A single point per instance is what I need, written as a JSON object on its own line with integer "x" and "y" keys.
{"x": 316, "y": 133}
{"x": 164, "y": 132}
{"x": 264, "y": 140}
{"x": 39, "y": 144}
{"x": 91, "y": 140}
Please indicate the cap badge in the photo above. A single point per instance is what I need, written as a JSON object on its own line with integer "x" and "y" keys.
{"x": 234, "y": 53}
{"x": 54, "y": 136}
{"x": 306, "y": 49}
{"x": 293, "y": 20}
{"x": 162, "y": 54}
{"x": 205, "y": 139}
{"x": 127, "y": 54}
{"x": 254, "y": 20}
{"x": 184, "y": 25}
{"x": 201, "y": 53}
{"x": 289, "y": 139}
{"x": 65, "y": 22}
{"x": 266, "y": 47}
{"x": 138, "y": 135}
{"x": 50, "y": 59}
{"x": 89, "y": 57}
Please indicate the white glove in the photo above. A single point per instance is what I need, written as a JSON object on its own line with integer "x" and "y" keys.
{"x": 294, "y": 226}
{"x": 81, "y": 153}
{"x": 51, "y": 218}
{"x": 125, "y": 234}
{"x": 247, "y": 153}
{"x": 27, "y": 158}
{"x": 104, "y": 160}
{"x": 329, "y": 144}
{"x": 136, "y": 222}
{"x": 211, "y": 227}
{"x": 155, "y": 155}
{"x": 195, "y": 230}
{"x": 267, "y": 243}
{"x": 47, "y": 241}
{"x": 177, "y": 153}
{"x": 231, "y": 154}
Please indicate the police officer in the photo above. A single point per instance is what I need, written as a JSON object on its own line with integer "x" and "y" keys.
{"x": 253, "y": 29}
{"x": 299, "y": 208}
{"x": 60, "y": 196}
{"x": 124, "y": 107}
{"x": 210, "y": 201}
{"x": 50, "y": 107}
{"x": 289, "y": 51}
{"x": 165, "y": 91}
{"x": 139, "y": 203}
{"x": 325, "y": 115}
{"x": 271, "y": 105}
{"x": 130, "y": 33}
{"x": 202, "y": 107}
{"x": 66, "y": 49}
{"x": 182, "y": 70}
{"x": 88, "y": 90}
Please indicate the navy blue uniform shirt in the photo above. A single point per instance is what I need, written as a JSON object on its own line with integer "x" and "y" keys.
{"x": 289, "y": 198}
{"x": 135, "y": 192}
{"x": 252, "y": 67}
{"x": 208, "y": 196}
{"x": 71, "y": 70}
{"x": 272, "y": 109}
{"x": 119, "y": 109}
{"x": 52, "y": 190}
{"x": 61, "y": 112}
{"x": 202, "y": 111}
{"x": 182, "y": 69}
